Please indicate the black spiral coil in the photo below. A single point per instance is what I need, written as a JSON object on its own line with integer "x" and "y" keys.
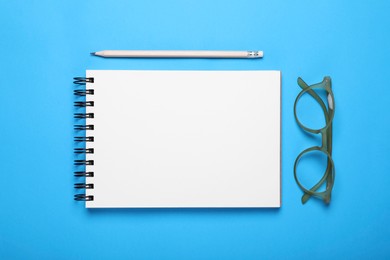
{"x": 83, "y": 92}
{"x": 83, "y": 197}
{"x": 83, "y": 115}
{"x": 84, "y": 104}
{"x": 83, "y": 127}
{"x": 83, "y": 150}
{"x": 82, "y": 163}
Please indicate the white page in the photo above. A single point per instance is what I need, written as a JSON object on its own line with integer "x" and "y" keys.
{"x": 185, "y": 139}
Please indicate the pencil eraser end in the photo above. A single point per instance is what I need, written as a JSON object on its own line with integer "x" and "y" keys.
{"x": 255, "y": 54}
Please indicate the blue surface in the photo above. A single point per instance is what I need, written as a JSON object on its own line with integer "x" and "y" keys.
{"x": 45, "y": 43}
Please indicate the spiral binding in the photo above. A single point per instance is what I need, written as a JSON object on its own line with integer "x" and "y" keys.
{"x": 83, "y": 92}
{"x": 83, "y": 197}
{"x": 83, "y": 174}
{"x": 83, "y": 150}
{"x": 81, "y": 81}
{"x": 83, "y": 162}
{"x": 83, "y": 127}
{"x": 83, "y": 185}
{"x": 83, "y": 115}
{"x": 84, "y": 104}
{"x": 84, "y": 139}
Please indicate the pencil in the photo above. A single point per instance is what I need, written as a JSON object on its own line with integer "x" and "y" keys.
{"x": 178, "y": 54}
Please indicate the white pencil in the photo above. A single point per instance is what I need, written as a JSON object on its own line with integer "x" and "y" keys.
{"x": 178, "y": 54}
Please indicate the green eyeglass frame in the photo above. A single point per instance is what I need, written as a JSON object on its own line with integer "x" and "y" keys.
{"x": 326, "y": 146}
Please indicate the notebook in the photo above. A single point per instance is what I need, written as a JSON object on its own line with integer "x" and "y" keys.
{"x": 173, "y": 139}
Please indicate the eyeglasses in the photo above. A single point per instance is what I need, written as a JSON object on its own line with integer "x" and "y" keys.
{"x": 327, "y": 178}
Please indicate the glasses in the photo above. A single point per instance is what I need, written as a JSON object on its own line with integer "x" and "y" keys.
{"x": 327, "y": 178}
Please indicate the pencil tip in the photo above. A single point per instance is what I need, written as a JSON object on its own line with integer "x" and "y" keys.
{"x": 93, "y": 53}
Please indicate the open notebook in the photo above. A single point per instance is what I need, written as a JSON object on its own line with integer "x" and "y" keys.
{"x": 178, "y": 138}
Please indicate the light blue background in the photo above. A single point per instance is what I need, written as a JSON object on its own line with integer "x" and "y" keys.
{"x": 44, "y": 44}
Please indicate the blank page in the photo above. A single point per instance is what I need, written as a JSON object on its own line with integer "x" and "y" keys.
{"x": 185, "y": 139}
